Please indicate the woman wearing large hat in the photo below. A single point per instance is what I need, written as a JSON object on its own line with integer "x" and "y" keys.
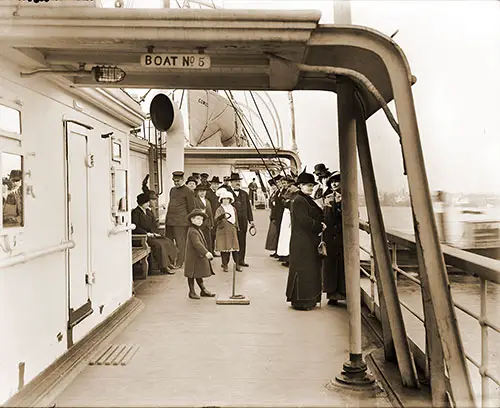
{"x": 304, "y": 276}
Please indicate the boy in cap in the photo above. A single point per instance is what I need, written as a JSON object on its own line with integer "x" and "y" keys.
{"x": 198, "y": 256}
{"x": 181, "y": 203}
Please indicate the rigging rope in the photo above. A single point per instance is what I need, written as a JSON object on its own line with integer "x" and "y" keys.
{"x": 244, "y": 127}
{"x": 268, "y": 134}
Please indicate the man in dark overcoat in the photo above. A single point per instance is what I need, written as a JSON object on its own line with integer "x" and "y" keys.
{"x": 272, "y": 232}
{"x": 163, "y": 249}
{"x": 181, "y": 203}
{"x": 245, "y": 215}
{"x": 201, "y": 202}
{"x": 333, "y": 263}
{"x": 214, "y": 202}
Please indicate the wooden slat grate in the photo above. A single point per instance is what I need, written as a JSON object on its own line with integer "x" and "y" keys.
{"x": 115, "y": 355}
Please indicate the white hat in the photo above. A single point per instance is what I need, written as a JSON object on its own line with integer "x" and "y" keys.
{"x": 225, "y": 194}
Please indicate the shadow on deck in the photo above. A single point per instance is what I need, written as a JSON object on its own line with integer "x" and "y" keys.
{"x": 197, "y": 353}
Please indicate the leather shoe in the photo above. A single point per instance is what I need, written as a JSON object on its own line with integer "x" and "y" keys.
{"x": 206, "y": 293}
{"x": 238, "y": 268}
{"x": 244, "y": 264}
{"x": 167, "y": 271}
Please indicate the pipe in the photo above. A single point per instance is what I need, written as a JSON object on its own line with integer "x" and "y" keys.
{"x": 350, "y": 73}
{"x": 49, "y": 72}
{"x": 25, "y": 257}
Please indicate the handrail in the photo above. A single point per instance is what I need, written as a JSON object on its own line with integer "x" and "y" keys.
{"x": 25, "y": 257}
{"x": 121, "y": 228}
{"x": 485, "y": 268}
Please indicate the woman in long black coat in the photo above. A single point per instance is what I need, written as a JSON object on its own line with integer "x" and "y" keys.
{"x": 304, "y": 276}
{"x": 333, "y": 263}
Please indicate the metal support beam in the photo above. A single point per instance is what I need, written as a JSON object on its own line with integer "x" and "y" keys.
{"x": 385, "y": 276}
{"x": 354, "y": 371}
{"x": 436, "y": 278}
{"x": 434, "y": 351}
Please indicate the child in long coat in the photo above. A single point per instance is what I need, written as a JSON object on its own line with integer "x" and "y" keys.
{"x": 197, "y": 263}
{"x": 226, "y": 236}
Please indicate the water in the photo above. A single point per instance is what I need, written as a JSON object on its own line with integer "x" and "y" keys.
{"x": 465, "y": 291}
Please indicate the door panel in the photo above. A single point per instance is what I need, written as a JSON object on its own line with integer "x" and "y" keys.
{"x": 78, "y": 219}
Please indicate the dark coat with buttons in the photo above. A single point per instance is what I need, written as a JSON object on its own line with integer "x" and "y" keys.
{"x": 304, "y": 277}
{"x": 197, "y": 264}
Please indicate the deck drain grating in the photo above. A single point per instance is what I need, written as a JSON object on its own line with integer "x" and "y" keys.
{"x": 115, "y": 355}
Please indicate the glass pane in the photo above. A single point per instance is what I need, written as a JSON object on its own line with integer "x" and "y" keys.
{"x": 10, "y": 120}
{"x": 117, "y": 151}
{"x": 12, "y": 190}
{"x": 121, "y": 203}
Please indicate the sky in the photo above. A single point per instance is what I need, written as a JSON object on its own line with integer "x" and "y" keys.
{"x": 453, "y": 48}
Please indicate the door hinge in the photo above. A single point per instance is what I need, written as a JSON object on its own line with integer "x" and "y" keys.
{"x": 69, "y": 197}
{"x": 72, "y": 229}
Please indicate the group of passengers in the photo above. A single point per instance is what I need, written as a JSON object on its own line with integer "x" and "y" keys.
{"x": 305, "y": 211}
{"x": 204, "y": 218}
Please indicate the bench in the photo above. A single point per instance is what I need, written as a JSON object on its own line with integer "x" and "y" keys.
{"x": 140, "y": 253}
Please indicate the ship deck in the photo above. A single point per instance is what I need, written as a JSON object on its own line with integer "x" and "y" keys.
{"x": 198, "y": 353}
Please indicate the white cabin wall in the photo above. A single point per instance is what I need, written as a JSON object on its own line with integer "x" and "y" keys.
{"x": 33, "y": 297}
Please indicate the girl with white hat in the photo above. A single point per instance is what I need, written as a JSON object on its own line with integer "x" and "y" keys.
{"x": 226, "y": 224}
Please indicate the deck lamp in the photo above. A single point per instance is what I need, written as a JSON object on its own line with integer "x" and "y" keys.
{"x": 108, "y": 74}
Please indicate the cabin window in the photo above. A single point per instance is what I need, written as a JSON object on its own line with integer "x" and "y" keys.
{"x": 116, "y": 151}
{"x": 10, "y": 122}
{"x": 119, "y": 195}
{"x": 12, "y": 190}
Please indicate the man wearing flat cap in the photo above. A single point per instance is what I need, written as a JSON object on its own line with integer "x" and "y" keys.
{"x": 163, "y": 250}
{"x": 180, "y": 204}
{"x": 245, "y": 215}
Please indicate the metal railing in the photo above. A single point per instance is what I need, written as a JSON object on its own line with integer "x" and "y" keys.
{"x": 486, "y": 269}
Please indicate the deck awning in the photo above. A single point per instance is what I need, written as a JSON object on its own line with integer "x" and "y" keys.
{"x": 239, "y": 43}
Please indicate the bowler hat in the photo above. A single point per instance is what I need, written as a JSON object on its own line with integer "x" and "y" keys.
{"x": 196, "y": 212}
{"x": 215, "y": 179}
{"x": 235, "y": 177}
{"x": 191, "y": 178}
{"x": 320, "y": 168}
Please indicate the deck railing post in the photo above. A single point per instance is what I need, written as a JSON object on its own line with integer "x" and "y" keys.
{"x": 433, "y": 266}
{"x": 355, "y": 370}
{"x": 484, "y": 342}
{"x": 389, "y": 351}
{"x": 394, "y": 248}
{"x": 386, "y": 279}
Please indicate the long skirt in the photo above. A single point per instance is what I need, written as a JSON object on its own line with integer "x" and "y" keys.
{"x": 285, "y": 234}
{"x": 163, "y": 251}
{"x": 272, "y": 236}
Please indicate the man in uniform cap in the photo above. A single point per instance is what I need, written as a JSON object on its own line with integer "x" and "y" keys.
{"x": 181, "y": 203}
{"x": 196, "y": 177}
{"x": 204, "y": 178}
{"x": 244, "y": 211}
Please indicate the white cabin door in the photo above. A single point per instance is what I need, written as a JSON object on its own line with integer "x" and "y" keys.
{"x": 79, "y": 301}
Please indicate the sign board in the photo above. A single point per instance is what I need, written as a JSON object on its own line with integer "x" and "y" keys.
{"x": 176, "y": 61}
